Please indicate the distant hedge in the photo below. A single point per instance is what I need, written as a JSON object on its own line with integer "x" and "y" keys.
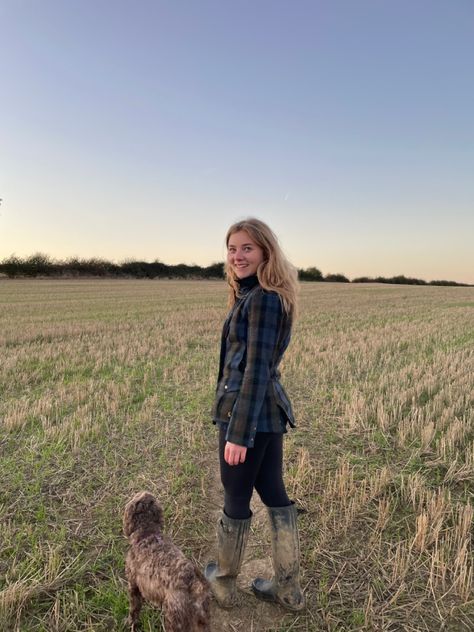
{"x": 403, "y": 280}
{"x": 41, "y": 265}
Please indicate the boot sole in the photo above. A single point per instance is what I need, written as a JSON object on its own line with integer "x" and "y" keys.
{"x": 274, "y": 599}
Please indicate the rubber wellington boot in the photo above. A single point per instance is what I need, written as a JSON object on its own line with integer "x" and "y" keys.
{"x": 232, "y": 536}
{"x": 284, "y": 588}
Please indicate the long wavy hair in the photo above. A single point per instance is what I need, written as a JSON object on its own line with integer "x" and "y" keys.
{"x": 275, "y": 273}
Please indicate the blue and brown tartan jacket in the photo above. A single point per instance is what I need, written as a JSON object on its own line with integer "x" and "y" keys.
{"x": 255, "y": 335}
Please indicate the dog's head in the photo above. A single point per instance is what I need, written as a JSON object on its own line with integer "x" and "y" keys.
{"x": 142, "y": 512}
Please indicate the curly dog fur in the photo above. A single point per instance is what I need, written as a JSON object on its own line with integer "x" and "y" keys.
{"x": 158, "y": 572}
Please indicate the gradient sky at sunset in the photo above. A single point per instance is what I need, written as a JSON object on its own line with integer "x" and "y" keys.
{"x": 143, "y": 129}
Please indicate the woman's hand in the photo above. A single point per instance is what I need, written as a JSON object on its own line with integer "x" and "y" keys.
{"x": 234, "y": 453}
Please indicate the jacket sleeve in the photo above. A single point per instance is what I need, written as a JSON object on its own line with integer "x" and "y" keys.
{"x": 264, "y": 319}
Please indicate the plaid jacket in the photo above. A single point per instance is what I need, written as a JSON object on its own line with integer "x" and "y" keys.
{"x": 256, "y": 333}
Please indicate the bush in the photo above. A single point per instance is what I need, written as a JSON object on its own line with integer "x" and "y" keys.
{"x": 310, "y": 274}
{"x": 336, "y": 278}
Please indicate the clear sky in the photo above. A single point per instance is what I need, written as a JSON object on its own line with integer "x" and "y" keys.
{"x": 144, "y": 129}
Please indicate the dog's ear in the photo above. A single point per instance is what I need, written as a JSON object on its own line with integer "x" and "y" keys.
{"x": 141, "y": 512}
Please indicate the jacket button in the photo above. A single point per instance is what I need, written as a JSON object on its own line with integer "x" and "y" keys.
{"x": 225, "y": 386}
{"x": 229, "y": 414}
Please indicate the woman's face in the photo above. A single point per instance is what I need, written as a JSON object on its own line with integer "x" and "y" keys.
{"x": 243, "y": 254}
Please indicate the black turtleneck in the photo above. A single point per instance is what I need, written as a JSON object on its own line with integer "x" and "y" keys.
{"x": 248, "y": 282}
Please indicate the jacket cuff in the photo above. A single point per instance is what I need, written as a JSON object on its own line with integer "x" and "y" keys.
{"x": 247, "y": 442}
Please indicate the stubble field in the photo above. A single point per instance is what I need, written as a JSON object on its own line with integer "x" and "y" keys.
{"x": 106, "y": 387}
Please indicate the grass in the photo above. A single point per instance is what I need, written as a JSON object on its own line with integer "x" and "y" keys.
{"x": 106, "y": 388}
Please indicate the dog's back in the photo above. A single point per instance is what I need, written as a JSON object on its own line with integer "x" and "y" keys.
{"x": 166, "y": 578}
{"x": 159, "y": 572}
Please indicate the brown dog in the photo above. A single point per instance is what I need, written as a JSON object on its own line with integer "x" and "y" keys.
{"x": 158, "y": 572}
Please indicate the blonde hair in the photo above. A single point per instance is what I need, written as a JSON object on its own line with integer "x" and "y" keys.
{"x": 275, "y": 273}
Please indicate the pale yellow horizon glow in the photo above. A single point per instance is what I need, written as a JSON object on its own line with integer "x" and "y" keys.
{"x": 202, "y": 246}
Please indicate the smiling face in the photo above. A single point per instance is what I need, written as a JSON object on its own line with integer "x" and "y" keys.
{"x": 243, "y": 254}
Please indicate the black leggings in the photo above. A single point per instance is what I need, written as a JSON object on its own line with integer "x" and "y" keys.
{"x": 262, "y": 470}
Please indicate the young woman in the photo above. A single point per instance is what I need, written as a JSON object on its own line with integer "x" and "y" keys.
{"x": 252, "y": 410}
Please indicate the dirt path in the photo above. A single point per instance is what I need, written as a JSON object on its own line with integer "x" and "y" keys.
{"x": 250, "y": 615}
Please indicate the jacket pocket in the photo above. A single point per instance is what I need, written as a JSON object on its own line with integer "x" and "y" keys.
{"x": 224, "y": 404}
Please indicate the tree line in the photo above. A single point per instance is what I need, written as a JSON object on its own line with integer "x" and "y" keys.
{"x": 41, "y": 265}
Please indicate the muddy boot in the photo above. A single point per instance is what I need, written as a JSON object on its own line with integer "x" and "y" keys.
{"x": 232, "y": 535}
{"x": 284, "y": 588}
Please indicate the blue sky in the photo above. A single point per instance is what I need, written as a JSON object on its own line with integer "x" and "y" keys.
{"x": 144, "y": 129}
